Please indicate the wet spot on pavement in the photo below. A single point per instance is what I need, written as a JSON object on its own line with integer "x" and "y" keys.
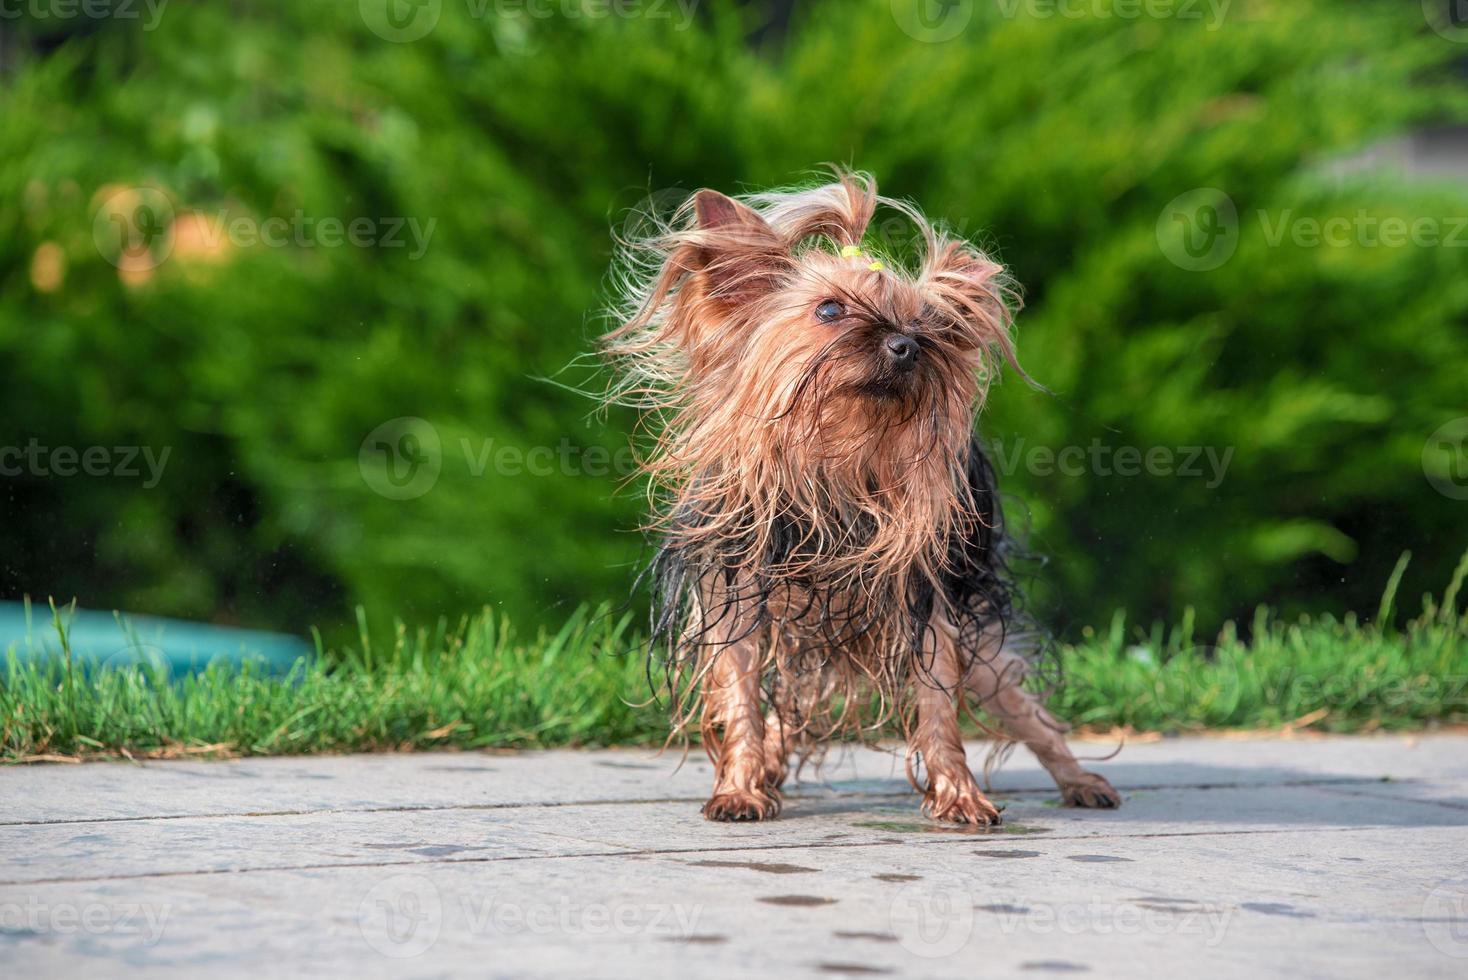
{"x": 768, "y": 867}
{"x": 913, "y": 827}
{"x": 1055, "y": 966}
{"x": 1277, "y": 908}
{"x": 800, "y": 901}
{"x": 1094, "y": 858}
{"x": 460, "y": 769}
{"x": 1157, "y": 903}
{"x": 852, "y": 969}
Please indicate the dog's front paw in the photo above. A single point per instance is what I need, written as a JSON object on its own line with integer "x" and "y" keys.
{"x": 741, "y": 805}
{"x": 953, "y": 802}
{"x": 1090, "y": 790}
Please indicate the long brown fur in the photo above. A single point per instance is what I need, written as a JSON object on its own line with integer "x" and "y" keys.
{"x": 832, "y": 548}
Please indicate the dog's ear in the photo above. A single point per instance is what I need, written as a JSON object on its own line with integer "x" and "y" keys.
{"x": 737, "y": 252}
{"x": 714, "y": 211}
{"x": 974, "y": 289}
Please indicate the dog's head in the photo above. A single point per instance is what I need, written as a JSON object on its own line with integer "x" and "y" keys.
{"x": 774, "y": 316}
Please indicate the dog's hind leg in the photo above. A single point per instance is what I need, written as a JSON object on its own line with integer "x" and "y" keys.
{"x": 780, "y": 726}
{"x": 995, "y": 677}
{"x": 794, "y": 702}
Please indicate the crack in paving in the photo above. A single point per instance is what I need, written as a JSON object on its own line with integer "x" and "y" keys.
{"x": 1449, "y": 804}
{"x": 935, "y": 841}
{"x": 834, "y": 795}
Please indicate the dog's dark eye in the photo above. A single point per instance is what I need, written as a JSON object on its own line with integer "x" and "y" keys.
{"x": 830, "y": 310}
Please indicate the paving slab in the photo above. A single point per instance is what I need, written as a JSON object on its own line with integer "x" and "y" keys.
{"x": 1310, "y": 857}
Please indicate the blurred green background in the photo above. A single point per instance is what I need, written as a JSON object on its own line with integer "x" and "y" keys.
{"x": 325, "y": 256}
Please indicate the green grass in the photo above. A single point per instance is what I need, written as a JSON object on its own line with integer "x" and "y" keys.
{"x": 477, "y": 685}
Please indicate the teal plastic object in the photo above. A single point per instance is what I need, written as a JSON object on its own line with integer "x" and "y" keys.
{"x": 102, "y": 640}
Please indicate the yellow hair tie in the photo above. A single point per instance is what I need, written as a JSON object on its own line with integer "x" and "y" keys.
{"x": 855, "y": 252}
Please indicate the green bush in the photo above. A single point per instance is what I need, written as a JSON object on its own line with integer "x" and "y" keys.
{"x": 516, "y": 143}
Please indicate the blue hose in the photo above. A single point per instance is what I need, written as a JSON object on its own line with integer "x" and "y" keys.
{"x": 101, "y": 640}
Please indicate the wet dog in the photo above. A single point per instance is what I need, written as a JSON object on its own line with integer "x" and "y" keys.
{"x": 832, "y": 553}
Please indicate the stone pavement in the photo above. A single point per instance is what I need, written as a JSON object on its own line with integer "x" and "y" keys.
{"x": 1339, "y": 857}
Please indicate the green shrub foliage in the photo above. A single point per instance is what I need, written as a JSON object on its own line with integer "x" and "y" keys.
{"x": 256, "y": 233}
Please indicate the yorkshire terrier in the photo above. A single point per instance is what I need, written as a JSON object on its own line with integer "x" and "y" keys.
{"x": 832, "y": 551}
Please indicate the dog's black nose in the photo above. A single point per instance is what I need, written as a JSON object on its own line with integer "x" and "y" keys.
{"x": 903, "y": 351}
